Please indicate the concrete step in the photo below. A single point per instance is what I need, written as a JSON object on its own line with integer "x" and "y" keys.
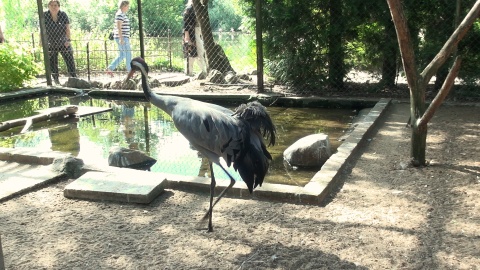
{"x": 119, "y": 184}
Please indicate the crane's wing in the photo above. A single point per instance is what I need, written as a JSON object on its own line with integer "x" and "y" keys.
{"x": 217, "y": 133}
{"x": 211, "y": 129}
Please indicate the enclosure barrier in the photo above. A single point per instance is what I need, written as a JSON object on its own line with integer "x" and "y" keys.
{"x": 309, "y": 48}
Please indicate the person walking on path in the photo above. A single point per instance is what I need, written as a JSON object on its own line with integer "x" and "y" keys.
{"x": 192, "y": 41}
{"x": 57, "y": 26}
{"x": 121, "y": 35}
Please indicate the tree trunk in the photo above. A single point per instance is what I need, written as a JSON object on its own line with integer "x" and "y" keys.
{"x": 216, "y": 58}
{"x": 419, "y": 132}
{"x": 389, "y": 66}
{"x": 440, "y": 78}
{"x": 417, "y": 83}
{"x": 419, "y": 145}
{"x": 336, "y": 69}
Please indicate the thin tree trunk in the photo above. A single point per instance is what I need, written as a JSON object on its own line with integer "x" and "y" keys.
{"x": 389, "y": 66}
{"x": 336, "y": 69}
{"x": 419, "y": 115}
{"x": 216, "y": 58}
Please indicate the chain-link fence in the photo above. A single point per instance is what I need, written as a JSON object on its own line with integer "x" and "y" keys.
{"x": 307, "y": 47}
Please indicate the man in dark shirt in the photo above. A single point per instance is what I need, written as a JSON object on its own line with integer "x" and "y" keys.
{"x": 57, "y": 26}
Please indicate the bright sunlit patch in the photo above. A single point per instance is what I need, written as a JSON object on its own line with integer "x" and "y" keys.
{"x": 175, "y": 156}
{"x": 91, "y": 153}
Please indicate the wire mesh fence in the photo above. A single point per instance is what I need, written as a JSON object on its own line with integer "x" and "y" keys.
{"x": 307, "y": 47}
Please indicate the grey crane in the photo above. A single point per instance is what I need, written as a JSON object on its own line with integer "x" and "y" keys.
{"x": 218, "y": 133}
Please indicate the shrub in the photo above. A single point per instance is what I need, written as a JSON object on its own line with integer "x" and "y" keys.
{"x": 17, "y": 67}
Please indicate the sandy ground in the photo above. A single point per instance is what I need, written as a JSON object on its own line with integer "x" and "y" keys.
{"x": 386, "y": 215}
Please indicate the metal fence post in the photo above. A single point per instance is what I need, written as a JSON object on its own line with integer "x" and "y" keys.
{"x": 170, "y": 48}
{"x": 88, "y": 60}
{"x": 106, "y": 53}
{"x": 140, "y": 28}
{"x": 43, "y": 36}
{"x": 258, "y": 31}
{"x": 33, "y": 46}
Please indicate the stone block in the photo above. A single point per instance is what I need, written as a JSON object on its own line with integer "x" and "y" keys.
{"x": 124, "y": 185}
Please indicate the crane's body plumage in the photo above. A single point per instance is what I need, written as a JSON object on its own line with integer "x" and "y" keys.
{"x": 220, "y": 133}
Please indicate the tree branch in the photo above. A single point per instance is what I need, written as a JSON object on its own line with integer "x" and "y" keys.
{"x": 442, "y": 94}
{"x": 451, "y": 43}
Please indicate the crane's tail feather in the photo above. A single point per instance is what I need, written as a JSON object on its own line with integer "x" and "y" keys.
{"x": 257, "y": 116}
{"x": 253, "y": 164}
{"x": 253, "y": 167}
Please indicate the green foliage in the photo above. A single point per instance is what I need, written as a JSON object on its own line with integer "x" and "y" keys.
{"x": 17, "y": 65}
{"x": 165, "y": 65}
{"x": 225, "y": 15}
{"x": 82, "y": 19}
{"x": 294, "y": 42}
{"x": 161, "y": 16}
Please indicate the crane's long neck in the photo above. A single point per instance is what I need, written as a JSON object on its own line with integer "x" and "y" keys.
{"x": 161, "y": 101}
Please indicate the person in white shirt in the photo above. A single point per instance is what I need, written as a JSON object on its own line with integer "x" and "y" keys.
{"x": 121, "y": 35}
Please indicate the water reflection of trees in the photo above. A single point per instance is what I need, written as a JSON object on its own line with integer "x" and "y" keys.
{"x": 65, "y": 138}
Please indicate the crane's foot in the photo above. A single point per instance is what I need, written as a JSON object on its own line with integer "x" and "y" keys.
{"x": 201, "y": 224}
{"x": 201, "y": 227}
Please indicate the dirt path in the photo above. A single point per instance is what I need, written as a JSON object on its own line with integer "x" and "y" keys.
{"x": 385, "y": 216}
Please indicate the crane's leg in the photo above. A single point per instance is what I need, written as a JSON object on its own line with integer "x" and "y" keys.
{"x": 232, "y": 182}
{"x": 212, "y": 204}
{"x": 212, "y": 193}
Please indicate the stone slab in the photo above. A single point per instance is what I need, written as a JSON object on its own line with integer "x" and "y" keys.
{"x": 123, "y": 185}
{"x": 17, "y": 178}
{"x": 31, "y": 156}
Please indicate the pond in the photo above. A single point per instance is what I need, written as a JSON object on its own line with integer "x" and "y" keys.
{"x": 138, "y": 125}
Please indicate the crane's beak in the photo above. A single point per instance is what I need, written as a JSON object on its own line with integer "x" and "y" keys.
{"x": 129, "y": 75}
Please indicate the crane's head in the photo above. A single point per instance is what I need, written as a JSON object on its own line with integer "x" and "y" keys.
{"x": 137, "y": 64}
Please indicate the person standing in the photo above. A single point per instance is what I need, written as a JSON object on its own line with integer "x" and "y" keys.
{"x": 192, "y": 41}
{"x": 57, "y": 26}
{"x": 121, "y": 35}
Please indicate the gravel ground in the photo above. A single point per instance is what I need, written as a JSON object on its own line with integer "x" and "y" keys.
{"x": 385, "y": 215}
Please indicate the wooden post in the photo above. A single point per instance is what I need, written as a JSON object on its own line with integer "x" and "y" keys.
{"x": 2, "y": 261}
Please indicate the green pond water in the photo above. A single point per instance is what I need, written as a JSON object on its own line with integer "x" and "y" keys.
{"x": 138, "y": 125}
